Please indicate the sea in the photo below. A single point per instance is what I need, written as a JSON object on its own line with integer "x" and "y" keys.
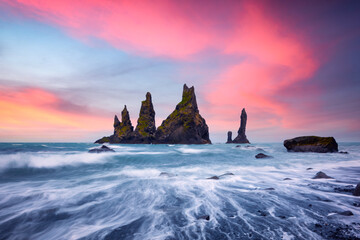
{"x": 60, "y": 191}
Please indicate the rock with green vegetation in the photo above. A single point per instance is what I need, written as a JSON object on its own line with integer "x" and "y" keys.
{"x": 123, "y": 131}
{"x": 311, "y": 144}
{"x": 145, "y": 129}
{"x": 185, "y": 124}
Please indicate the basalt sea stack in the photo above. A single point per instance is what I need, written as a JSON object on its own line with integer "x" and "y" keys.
{"x": 311, "y": 144}
{"x": 183, "y": 126}
{"x": 241, "y": 137}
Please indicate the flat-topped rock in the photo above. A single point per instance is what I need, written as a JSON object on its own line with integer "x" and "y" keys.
{"x": 311, "y": 144}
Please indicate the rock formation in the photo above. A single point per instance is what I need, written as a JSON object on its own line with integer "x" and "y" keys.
{"x": 185, "y": 124}
{"x": 145, "y": 129}
{"x": 241, "y": 137}
{"x": 311, "y": 144}
{"x": 229, "y": 139}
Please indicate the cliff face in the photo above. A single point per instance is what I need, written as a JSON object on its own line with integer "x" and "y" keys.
{"x": 185, "y": 124}
{"x": 241, "y": 137}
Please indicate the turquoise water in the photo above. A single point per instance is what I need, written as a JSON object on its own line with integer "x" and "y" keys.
{"x": 59, "y": 191}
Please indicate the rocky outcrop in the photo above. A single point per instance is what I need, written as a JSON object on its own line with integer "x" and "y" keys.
{"x": 185, "y": 124}
{"x": 261, "y": 155}
{"x": 241, "y": 137}
{"x": 311, "y": 144}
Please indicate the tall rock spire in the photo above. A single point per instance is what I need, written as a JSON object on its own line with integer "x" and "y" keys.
{"x": 146, "y": 121}
{"x": 184, "y": 125}
{"x": 241, "y": 137}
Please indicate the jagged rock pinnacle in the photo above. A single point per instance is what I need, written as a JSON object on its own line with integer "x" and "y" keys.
{"x": 146, "y": 121}
{"x": 184, "y": 125}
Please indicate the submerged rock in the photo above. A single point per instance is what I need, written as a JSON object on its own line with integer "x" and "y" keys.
{"x": 213, "y": 178}
{"x": 346, "y": 213}
{"x": 286, "y": 179}
{"x": 320, "y": 174}
{"x": 262, "y": 155}
{"x": 357, "y": 190}
{"x": 227, "y": 174}
{"x": 101, "y": 149}
{"x": 241, "y": 137}
{"x": 185, "y": 124}
{"x": 311, "y": 144}
{"x": 309, "y": 168}
{"x": 166, "y": 174}
{"x": 342, "y": 152}
{"x": 204, "y": 217}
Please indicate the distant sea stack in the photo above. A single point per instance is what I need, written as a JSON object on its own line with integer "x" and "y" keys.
{"x": 241, "y": 137}
{"x": 183, "y": 126}
{"x": 311, "y": 144}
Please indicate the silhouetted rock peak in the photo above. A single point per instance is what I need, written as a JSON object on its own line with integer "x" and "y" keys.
{"x": 241, "y": 137}
{"x": 184, "y": 125}
{"x": 146, "y": 121}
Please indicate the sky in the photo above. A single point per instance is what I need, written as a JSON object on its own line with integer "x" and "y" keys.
{"x": 67, "y": 67}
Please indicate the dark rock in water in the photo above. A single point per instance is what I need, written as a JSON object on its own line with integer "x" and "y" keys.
{"x": 285, "y": 179}
{"x": 261, "y": 155}
{"x": 343, "y": 152}
{"x": 269, "y": 189}
{"x": 238, "y": 146}
{"x": 214, "y": 178}
{"x": 262, "y": 213}
{"x": 229, "y": 138}
{"x": 320, "y": 174}
{"x": 241, "y": 137}
{"x": 348, "y": 189}
{"x": 357, "y": 190}
{"x": 309, "y": 168}
{"x": 101, "y": 149}
{"x": 226, "y": 174}
{"x": 318, "y": 225}
{"x": 311, "y": 144}
{"x": 260, "y": 150}
{"x": 356, "y": 204}
{"x": 346, "y": 213}
{"x": 282, "y": 217}
{"x": 185, "y": 124}
{"x": 165, "y": 174}
{"x": 204, "y": 217}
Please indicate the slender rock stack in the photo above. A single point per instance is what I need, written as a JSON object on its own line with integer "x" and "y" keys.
{"x": 241, "y": 137}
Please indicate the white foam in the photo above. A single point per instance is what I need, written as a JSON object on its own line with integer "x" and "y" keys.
{"x": 49, "y": 160}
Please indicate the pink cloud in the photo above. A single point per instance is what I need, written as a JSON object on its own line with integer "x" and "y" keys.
{"x": 148, "y": 28}
{"x": 274, "y": 60}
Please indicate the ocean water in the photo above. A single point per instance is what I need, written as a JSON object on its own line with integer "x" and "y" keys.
{"x": 60, "y": 191}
